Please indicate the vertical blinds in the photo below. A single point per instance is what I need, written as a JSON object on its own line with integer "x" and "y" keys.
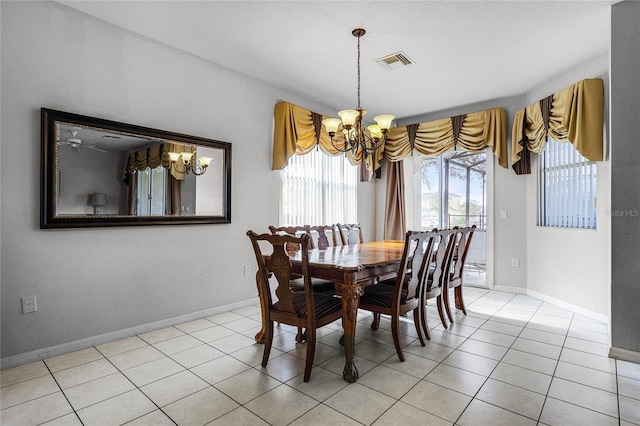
{"x": 318, "y": 189}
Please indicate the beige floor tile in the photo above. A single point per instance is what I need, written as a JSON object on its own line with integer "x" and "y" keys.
{"x": 589, "y": 325}
{"x": 322, "y": 352}
{"x": 471, "y": 362}
{"x": 487, "y": 350}
{"x": 322, "y": 385}
{"x": 98, "y": 390}
{"x": 233, "y": 343}
{"x": 457, "y": 329}
{"x": 151, "y": 371}
{"x": 84, "y": 373}
{"x": 408, "y": 415}
{"x": 584, "y": 359}
{"x": 11, "y": 376}
{"x": 592, "y": 336}
{"x": 284, "y": 367}
{"x": 252, "y": 355}
{"x": 172, "y": 388}
{"x": 210, "y": 334}
{"x": 225, "y": 317}
{"x": 239, "y": 416}
{"x": 118, "y": 410}
{"x": 200, "y": 408}
{"x": 630, "y": 409}
{"x": 628, "y": 369}
{"x": 374, "y": 351}
{"x": 135, "y": 357}
{"x": 360, "y": 403}
{"x": 512, "y": 398}
{"x": 487, "y": 336}
{"x": 219, "y": 369}
{"x": 629, "y": 387}
{"x": 522, "y": 377}
{"x": 193, "y": 326}
{"x": 537, "y": 348}
{"x": 244, "y": 324}
{"x": 446, "y": 339}
{"x": 66, "y": 420}
{"x": 119, "y": 346}
{"x": 437, "y": 400}
{"x": 28, "y": 390}
{"x": 248, "y": 311}
{"x": 196, "y": 356}
{"x": 541, "y": 336}
{"x": 336, "y": 364}
{"x": 245, "y": 386}
{"x": 595, "y": 348}
{"x": 413, "y": 365}
{"x": 177, "y": 344}
{"x": 388, "y": 381}
{"x": 480, "y": 413}
{"x": 530, "y": 361}
{"x": 587, "y": 376}
{"x": 280, "y": 406}
{"x": 323, "y": 415}
{"x": 561, "y": 413}
{"x": 584, "y": 396}
{"x": 154, "y": 418}
{"x": 157, "y": 336}
{"x": 456, "y": 379}
{"x": 433, "y": 351}
{"x": 36, "y": 411}
{"x": 73, "y": 359}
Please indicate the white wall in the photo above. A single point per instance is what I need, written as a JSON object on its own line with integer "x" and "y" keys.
{"x": 94, "y": 281}
{"x": 572, "y": 265}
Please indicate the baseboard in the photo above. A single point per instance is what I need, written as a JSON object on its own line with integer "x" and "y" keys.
{"x": 566, "y": 305}
{"x": 76, "y": 345}
{"x": 507, "y": 289}
{"x": 624, "y": 355}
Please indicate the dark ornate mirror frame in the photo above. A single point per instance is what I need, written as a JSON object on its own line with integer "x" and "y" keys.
{"x": 48, "y": 216}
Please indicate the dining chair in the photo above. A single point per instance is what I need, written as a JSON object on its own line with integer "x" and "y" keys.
{"x": 303, "y": 309}
{"x": 321, "y": 236}
{"x": 402, "y": 294}
{"x": 291, "y": 230}
{"x": 460, "y": 250}
{"x": 436, "y": 279}
{"x": 351, "y": 233}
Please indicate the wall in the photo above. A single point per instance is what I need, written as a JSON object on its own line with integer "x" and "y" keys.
{"x": 572, "y": 265}
{"x": 89, "y": 282}
{"x": 625, "y": 161}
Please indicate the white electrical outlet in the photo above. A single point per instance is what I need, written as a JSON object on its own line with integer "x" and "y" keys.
{"x": 503, "y": 214}
{"x": 247, "y": 270}
{"x": 29, "y": 304}
{"x": 515, "y": 262}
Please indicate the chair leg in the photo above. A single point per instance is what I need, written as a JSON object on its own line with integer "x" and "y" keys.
{"x": 459, "y": 300}
{"x": 440, "y": 311}
{"x": 268, "y": 340}
{"x": 423, "y": 321}
{"x": 311, "y": 351}
{"x": 447, "y": 307}
{"x": 417, "y": 321}
{"x": 395, "y": 331}
{"x": 301, "y": 336}
{"x": 376, "y": 321}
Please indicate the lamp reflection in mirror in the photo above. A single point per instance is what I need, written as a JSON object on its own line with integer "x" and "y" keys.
{"x": 97, "y": 200}
{"x": 184, "y": 162}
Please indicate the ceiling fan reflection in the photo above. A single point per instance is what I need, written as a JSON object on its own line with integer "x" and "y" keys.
{"x": 76, "y": 143}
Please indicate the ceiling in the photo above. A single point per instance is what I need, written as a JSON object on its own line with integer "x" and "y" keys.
{"x": 463, "y": 51}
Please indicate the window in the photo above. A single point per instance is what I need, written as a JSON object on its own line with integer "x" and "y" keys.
{"x": 318, "y": 189}
{"x": 567, "y": 187}
{"x": 152, "y": 187}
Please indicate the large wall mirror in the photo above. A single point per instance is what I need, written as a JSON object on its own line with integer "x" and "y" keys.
{"x": 98, "y": 172}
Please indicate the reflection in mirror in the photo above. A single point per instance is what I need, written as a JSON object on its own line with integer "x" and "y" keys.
{"x": 102, "y": 173}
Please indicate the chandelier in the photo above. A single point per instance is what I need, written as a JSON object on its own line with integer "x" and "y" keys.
{"x": 189, "y": 163}
{"x": 354, "y": 136}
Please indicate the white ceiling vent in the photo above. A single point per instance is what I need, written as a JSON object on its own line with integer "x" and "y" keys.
{"x": 394, "y": 61}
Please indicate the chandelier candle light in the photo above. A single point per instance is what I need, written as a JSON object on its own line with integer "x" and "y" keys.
{"x": 189, "y": 164}
{"x": 354, "y": 136}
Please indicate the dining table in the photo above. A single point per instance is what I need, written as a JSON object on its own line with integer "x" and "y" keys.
{"x": 351, "y": 268}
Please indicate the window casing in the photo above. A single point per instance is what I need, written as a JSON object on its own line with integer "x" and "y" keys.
{"x": 318, "y": 189}
{"x": 567, "y": 187}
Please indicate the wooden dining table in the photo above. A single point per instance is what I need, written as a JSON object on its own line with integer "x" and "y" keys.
{"x": 351, "y": 268}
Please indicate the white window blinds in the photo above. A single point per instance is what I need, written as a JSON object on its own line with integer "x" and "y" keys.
{"x": 567, "y": 187}
{"x": 318, "y": 189}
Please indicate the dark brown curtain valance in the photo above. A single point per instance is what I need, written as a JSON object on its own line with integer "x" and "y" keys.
{"x": 575, "y": 115}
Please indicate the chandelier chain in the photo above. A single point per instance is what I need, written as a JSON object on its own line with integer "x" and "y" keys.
{"x": 358, "y": 72}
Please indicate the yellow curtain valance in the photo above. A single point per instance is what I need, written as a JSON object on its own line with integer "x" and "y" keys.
{"x": 155, "y": 156}
{"x": 471, "y": 132}
{"x": 575, "y": 115}
{"x": 298, "y": 131}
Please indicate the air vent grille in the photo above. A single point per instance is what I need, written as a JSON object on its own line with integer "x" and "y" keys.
{"x": 394, "y": 61}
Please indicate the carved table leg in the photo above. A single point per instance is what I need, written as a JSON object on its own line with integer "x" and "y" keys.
{"x": 350, "y": 301}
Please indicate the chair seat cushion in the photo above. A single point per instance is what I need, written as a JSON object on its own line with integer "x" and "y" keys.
{"x": 381, "y": 294}
{"x": 325, "y": 304}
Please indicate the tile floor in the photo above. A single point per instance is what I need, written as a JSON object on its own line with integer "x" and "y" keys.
{"x": 514, "y": 360}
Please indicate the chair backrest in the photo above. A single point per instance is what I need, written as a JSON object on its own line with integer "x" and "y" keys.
{"x": 296, "y": 231}
{"x": 441, "y": 260}
{"x": 279, "y": 265}
{"x": 418, "y": 247}
{"x": 351, "y": 233}
{"x": 461, "y": 250}
{"x": 321, "y": 236}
